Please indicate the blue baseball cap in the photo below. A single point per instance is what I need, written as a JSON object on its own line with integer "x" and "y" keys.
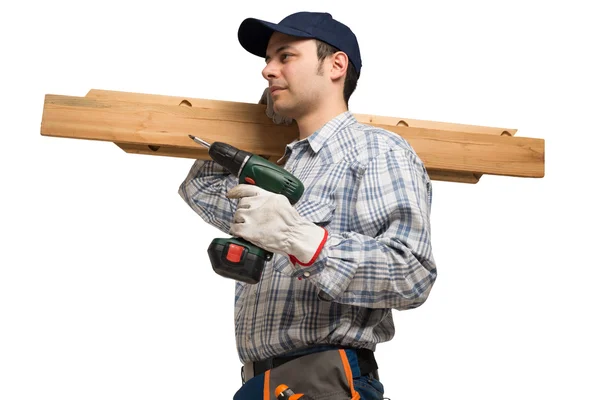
{"x": 254, "y": 34}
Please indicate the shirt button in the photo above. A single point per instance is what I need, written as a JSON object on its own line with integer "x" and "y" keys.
{"x": 306, "y": 274}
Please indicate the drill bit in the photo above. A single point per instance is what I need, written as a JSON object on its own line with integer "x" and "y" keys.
{"x": 200, "y": 141}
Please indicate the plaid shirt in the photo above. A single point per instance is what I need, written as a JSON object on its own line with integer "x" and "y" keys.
{"x": 369, "y": 189}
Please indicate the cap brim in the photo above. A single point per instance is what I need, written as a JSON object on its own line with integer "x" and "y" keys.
{"x": 254, "y": 35}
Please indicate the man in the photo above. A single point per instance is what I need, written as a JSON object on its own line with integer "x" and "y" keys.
{"x": 355, "y": 246}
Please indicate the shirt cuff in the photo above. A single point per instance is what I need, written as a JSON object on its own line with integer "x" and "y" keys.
{"x": 316, "y": 263}
{"x": 334, "y": 268}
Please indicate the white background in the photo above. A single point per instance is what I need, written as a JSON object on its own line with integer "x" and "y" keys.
{"x": 106, "y": 291}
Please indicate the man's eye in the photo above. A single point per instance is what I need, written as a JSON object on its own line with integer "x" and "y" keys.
{"x": 284, "y": 57}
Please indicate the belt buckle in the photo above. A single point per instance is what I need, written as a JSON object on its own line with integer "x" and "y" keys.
{"x": 247, "y": 372}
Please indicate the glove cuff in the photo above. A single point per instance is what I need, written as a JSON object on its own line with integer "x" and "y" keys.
{"x": 308, "y": 247}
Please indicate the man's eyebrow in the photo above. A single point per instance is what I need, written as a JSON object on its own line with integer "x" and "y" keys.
{"x": 279, "y": 50}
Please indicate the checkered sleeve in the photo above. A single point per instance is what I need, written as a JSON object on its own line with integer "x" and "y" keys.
{"x": 204, "y": 190}
{"x": 386, "y": 260}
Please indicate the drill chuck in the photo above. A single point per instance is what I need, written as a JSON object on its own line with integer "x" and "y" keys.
{"x": 229, "y": 157}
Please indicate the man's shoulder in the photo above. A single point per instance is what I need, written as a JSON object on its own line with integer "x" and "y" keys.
{"x": 380, "y": 135}
{"x": 363, "y": 142}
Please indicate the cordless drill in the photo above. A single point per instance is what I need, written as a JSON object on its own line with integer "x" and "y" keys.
{"x": 237, "y": 258}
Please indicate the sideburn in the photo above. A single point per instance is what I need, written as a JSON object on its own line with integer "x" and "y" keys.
{"x": 320, "y": 67}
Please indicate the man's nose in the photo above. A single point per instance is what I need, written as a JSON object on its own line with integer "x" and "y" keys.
{"x": 269, "y": 71}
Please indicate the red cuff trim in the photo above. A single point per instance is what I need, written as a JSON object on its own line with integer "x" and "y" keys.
{"x": 295, "y": 261}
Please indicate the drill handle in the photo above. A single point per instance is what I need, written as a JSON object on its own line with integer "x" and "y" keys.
{"x": 271, "y": 177}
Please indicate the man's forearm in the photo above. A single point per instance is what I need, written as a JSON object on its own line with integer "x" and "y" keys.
{"x": 375, "y": 273}
{"x": 204, "y": 191}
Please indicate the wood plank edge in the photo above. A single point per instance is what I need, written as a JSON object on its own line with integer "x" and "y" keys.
{"x": 201, "y": 154}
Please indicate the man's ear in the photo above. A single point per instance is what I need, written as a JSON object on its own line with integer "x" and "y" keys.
{"x": 339, "y": 65}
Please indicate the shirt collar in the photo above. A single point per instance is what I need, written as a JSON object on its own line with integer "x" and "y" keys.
{"x": 318, "y": 139}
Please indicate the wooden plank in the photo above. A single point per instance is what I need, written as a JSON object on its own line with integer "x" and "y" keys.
{"x": 363, "y": 118}
{"x": 448, "y": 176}
{"x": 165, "y": 151}
{"x": 446, "y": 126}
{"x": 245, "y": 126}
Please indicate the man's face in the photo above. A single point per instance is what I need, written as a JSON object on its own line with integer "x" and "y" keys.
{"x": 292, "y": 70}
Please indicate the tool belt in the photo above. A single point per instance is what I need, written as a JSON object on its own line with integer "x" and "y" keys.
{"x": 366, "y": 364}
{"x": 327, "y": 374}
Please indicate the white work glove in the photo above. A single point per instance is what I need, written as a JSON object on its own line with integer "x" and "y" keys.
{"x": 269, "y": 221}
{"x": 277, "y": 118}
